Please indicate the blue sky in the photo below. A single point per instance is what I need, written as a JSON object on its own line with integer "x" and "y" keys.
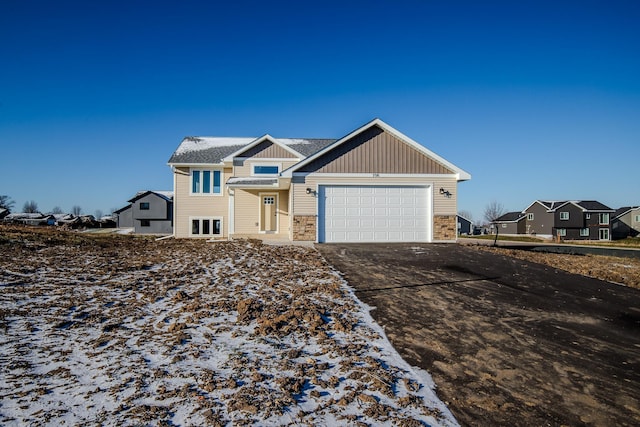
{"x": 537, "y": 100}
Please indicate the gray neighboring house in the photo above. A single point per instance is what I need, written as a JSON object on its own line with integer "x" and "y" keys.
{"x": 539, "y": 218}
{"x": 3, "y": 212}
{"x": 625, "y": 223}
{"x": 148, "y": 212}
{"x": 465, "y": 226}
{"x": 582, "y": 220}
{"x": 511, "y": 223}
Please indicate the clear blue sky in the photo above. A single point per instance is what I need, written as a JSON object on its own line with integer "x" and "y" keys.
{"x": 536, "y": 101}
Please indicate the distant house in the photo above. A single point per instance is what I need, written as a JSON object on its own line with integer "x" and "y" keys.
{"x": 35, "y": 218}
{"x": 148, "y": 212}
{"x": 582, "y": 220}
{"x": 625, "y": 223}
{"x": 511, "y": 223}
{"x": 465, "y": 226}
{"x": 3, "y": 212}
{"x": 539, "y": 218}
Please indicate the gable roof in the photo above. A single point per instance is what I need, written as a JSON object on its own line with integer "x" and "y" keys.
{"x": 585, "y": 205}
{"x": 510, "y": 217}
{"x": 461, "y": 174}
{"x": 215, "y": 150}
{"x": 622, "y": 211}
{"x": 549, "y": 205}
{"x": 166, "y": 195}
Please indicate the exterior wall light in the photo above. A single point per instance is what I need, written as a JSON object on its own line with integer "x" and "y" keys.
{"x": 445, "y": 193}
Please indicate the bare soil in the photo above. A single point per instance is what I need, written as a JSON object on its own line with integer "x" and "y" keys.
{"x": 508, "y": 341}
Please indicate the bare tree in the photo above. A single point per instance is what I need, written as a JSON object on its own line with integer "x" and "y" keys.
{"x": 466, "y": 214}
{"x": 57, "y": 210}
{"x": 98, "y": 214}
{"x": 76, "y": 210}
{"x": 30, "y": 207}
{"x": 6, "y": 202}
{"x": 493, "y": 211}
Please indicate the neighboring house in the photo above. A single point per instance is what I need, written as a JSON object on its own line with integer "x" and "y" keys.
{"x": 373, "y": 185}
{"x": 3, "y": 212}
{"x": 511, "y": 223}
{"x": 625, "y": 223}
{"x": 582, "y": 220}
{"x": 148, "y": 212}
{"x": 465, "y": 226}
{"x": 35, "y": 218}
{"x": 539, "y": 218}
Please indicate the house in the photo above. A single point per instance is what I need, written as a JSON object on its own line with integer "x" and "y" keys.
{"x": 625, "y": 223}
{"x": 148, "y": 212}
{"x": 539, "y": 218}
{"x": 4, "y": 212}
{"x": 373, "y": 185}
{"x": 510, "y": 223}
{"x": 465, "y": 226}
{"x": 582, "y": 220}
{"x": 35, "y": 218}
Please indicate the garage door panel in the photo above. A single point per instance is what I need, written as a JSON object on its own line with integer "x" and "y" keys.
{"x": 373, "y": 214}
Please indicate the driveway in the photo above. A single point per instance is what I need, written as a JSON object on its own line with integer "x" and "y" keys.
{"x": 506, "y": 341}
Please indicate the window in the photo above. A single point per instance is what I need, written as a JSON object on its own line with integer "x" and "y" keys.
{"x": 564, "y": 216}
{"x": 562, "y": 232}
{"x": 604, "y": 233}
{"x": 530, "y": 217}
{"x": 504, "y": 225}
{"x": 587, "y": 216}
{"x": 206, "y": 181}
{"x": 145, "y": 223}
{"x": 206, "y": 227}
{"x": 603, "y": 219}
{"x": 584, "y": 232}
{"x": 144, "y": 206}
{"x": 265, "y": 169}
{"x": 637, "y": 218}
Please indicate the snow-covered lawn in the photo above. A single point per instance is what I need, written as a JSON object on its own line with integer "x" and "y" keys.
{"x": 127, "y": 331}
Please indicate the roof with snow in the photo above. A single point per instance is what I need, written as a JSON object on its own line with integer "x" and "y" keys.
{"x": 211, "y": 150}
{"x": 510, "y": 217}
{"x": 167, "y": 195}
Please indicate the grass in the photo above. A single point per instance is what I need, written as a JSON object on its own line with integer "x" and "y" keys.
{"x": 630, "y": 242}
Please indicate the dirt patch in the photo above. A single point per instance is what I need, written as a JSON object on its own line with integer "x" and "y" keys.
{"x": 129, "y": 331}
{"x": 507, "y": 341}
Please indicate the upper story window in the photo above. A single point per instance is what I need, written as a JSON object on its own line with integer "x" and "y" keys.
{"x": 265, "y": 169}
{"x": 206, "y": 181}
{"x": 637, "y": 218}
{"x": 144, "y": 206}
{"x": 530, "y": 216}
{"x": 603, "y": 218}
{"x": 587, "y": 216}
{"x": 564, "y": 216}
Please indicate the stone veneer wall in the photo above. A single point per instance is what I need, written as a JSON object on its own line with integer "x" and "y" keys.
{"x": 445, "y": 227}
{"x": 304, "y": 227}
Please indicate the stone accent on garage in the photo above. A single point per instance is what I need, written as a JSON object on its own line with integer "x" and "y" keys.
{"x": 304, "y": 227}
{"x": 444, "y": 227}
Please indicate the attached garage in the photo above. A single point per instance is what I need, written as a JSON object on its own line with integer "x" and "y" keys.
{"x": 374, "y": 213}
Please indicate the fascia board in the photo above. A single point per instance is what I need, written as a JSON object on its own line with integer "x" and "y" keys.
{"x": 260, "y": 140}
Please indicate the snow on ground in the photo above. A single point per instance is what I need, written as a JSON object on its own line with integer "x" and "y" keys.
{"x": 127, "y": 331}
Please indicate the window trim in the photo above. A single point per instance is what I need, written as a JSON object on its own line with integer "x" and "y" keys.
{"x": 582, "y": 232}
{"x": 201, "y": 181}
{"x": 601, "y": 216}
{"x": 605, "y": 231}
{"x": 530, "y": 216}
{"x": 205, "y": 218}
{"x": 144, "y": 206}
{"x": 564, "y": 216}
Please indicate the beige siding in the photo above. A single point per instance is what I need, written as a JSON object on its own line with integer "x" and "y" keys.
{"x": 267, "y": 150}
{"x": 197, "y": 206}
{"x": 305, "y": 204}
{"x": 243, "y": 167}
{"x": 375, "y": 151}
{"x": 247, "y": 211}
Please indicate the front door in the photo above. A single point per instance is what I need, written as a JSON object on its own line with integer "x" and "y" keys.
{"x": 268, "y": 213}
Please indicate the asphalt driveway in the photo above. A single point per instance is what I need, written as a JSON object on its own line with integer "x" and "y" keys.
{"x": 506, "y": 341}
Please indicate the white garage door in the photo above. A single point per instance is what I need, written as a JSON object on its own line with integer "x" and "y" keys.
{"x": 373, "y": 214}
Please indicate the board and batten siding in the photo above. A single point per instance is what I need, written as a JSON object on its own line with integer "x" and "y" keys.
{"x": 306, "y": 204}
{"x": 197, "y": 206}
{"x": 267, "y": 150}
{"x": 375, "y": 151}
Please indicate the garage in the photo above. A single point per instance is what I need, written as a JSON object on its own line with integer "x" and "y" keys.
{"x": 373, "y": 213}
